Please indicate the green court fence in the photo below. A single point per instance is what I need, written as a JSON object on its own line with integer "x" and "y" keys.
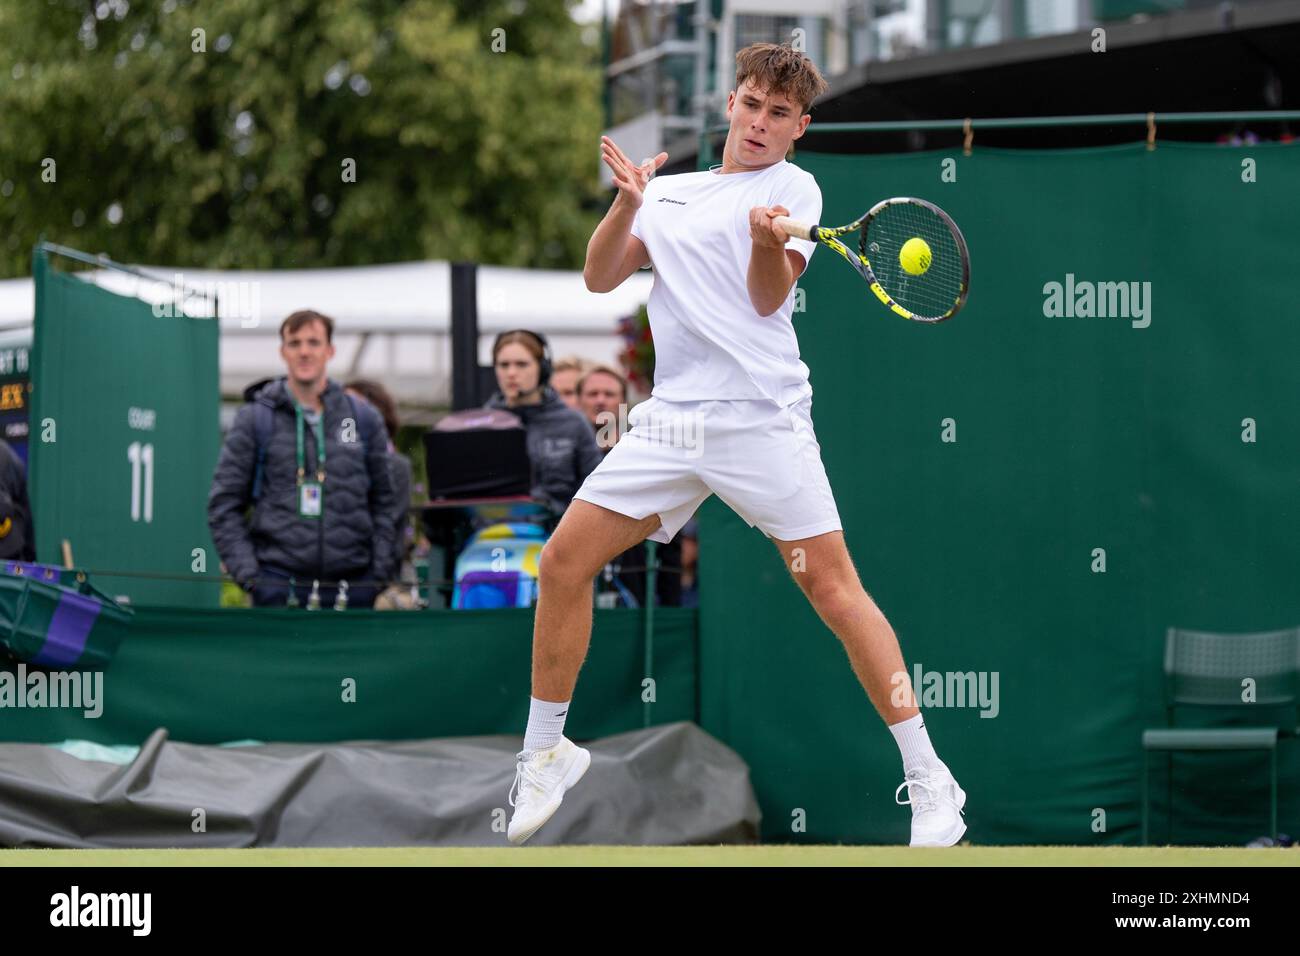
{"x": 124, "y": 436}
{"x": 1169, "y": 445}
{"x": 210, "y": 676}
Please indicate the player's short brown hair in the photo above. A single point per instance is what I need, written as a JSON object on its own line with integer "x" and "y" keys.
{"x": 779, "y": 68}
{"x": 305, "y": 317}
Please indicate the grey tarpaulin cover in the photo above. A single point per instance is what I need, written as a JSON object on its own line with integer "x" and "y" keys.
{"x": 671, "y": 784}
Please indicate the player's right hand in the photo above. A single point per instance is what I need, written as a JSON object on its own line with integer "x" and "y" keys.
{"x": 630, "y": 179}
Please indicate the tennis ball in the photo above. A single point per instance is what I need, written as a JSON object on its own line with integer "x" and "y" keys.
{"x": 914, "y": 257}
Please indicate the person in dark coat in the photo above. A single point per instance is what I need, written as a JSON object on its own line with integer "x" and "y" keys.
{"x": 325, "y": 502}
{"x": 561, "y": 445}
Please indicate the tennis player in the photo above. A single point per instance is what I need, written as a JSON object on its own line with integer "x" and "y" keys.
{"x": 730, "y": 414}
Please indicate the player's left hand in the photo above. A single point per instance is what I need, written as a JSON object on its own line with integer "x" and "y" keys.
{"x": 763, "y": 230}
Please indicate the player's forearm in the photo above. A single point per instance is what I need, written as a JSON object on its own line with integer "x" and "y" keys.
{"x": 770, "y": 278}
{"x": 607, "y": 247}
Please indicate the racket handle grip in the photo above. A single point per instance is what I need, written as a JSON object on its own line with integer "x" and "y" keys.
{"x": 800, "y": 230}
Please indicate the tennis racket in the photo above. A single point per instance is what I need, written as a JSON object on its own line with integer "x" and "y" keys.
{"x": 910, "y": 252}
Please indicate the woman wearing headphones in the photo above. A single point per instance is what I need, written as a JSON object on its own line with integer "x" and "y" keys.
{"x": 561, "y": 444}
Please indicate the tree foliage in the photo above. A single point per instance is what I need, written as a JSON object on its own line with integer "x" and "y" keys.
{"x": 218, "y": 134}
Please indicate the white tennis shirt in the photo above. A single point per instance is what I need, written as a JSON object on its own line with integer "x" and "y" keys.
{"x": 710, "y": 343}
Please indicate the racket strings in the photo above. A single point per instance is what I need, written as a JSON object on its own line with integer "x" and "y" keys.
{"x": 936, "y": 290}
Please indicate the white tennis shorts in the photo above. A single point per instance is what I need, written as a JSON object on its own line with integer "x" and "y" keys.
{"x": 762, "y": 460}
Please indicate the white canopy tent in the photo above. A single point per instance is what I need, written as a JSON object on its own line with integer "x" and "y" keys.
{"x": 393, "y": 322}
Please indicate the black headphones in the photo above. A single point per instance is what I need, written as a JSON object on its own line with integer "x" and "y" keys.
{"x": 544, "y": 374}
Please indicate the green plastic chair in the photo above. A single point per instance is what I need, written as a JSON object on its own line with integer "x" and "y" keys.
{"x": 1204, "y": 670}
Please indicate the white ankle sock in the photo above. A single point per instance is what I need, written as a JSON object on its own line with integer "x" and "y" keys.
{"x": 545, "y": 723}
{"x": 914, "y": 744}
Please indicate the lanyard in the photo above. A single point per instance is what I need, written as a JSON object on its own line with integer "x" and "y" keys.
{"x": 319, "y": 431}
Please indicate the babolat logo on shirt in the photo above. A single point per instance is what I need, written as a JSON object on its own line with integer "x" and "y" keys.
{"x": 675, "y": 202}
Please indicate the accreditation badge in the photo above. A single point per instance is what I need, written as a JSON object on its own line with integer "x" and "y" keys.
{"x": 310, "y": 503}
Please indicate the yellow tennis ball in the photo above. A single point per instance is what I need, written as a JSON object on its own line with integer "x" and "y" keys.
{"x": 914, "y": 257}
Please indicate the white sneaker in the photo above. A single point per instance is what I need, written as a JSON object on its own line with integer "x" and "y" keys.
{"x": 937, "y": 803}
{"x": 541, "y": 779}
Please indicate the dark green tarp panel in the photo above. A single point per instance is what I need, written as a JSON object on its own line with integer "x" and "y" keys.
{"x": 124, "y": 439}
{"x": 295, "y": 675}
{"x": 1072, "y": 434}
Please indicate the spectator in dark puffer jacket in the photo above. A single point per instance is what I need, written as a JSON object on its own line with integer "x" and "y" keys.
{"x": 323, "y": 514}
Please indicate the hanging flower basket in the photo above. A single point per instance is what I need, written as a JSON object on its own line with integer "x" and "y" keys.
{"x": 638, "y": 353}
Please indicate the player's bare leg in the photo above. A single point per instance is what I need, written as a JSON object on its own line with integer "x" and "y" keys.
{"x": 822, "y": 568}
{"x": 588, "y": 537}
{"x": 824, "y": 571}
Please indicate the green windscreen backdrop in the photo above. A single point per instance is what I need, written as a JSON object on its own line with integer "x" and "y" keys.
{"x": 1073, "y": 435}
{"x": 210, "y": 676}
{"x": 124, "y": 438}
